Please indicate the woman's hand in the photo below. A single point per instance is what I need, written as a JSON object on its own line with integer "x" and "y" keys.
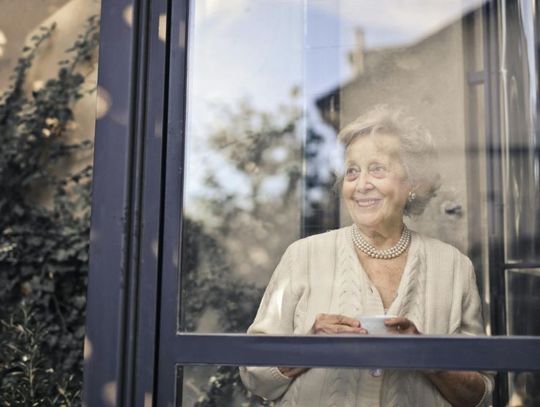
{"x": 402, "y": 325}
{"x": 459, "y": 388}
{"x": 336, "y": 324}
{"x": 292, "y": 372}
{"x": 326, "y": 324}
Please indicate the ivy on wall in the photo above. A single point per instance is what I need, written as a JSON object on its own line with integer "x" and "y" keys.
{"x": 43, "y": 247}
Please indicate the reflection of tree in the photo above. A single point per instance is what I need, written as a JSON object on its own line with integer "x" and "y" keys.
{"x": 208, "y": 285}
{"x": 256, "y": 216}
{"x": 244, "y": 229}
{"x": 321, "y": 211}
{"x": 261, "y": 145}
{"x": 250, "y": 211}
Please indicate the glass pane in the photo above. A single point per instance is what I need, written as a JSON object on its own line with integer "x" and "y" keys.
{"x": 478, "y": 185}
{"x": 520, "y": 131}
{"x": 523, "y": 301}
{"x": 524, "y": 389}
{"x": 264, "y": 167}
{"x": 523, "y": 306}
{"x": 222, "y": 386}
{"x": 245, "y": 131}
{"x": 270, "y": 84}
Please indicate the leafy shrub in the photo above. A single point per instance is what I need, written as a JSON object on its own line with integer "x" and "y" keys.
{"x": 43, "y": 248}
{"x": 27, "y": 375}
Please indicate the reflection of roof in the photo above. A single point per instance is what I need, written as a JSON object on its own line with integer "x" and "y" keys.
{"x": 329, "y": 103}
{"x": 377, "y": 64}
{"x": 375, "y": 61}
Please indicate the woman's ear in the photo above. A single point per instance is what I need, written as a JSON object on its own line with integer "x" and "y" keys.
{"x": 412, "y": 187}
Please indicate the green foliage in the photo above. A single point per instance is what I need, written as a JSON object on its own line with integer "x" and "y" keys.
{"x": 27, "y": 375}
{"x": 209, "y": 285}
{"x": 242, "y": 231}
{"x": 43, "y": 248}
{"x": 225, "y": 388}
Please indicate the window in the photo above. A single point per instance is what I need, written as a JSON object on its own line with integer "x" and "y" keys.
{"x": 256, "y": 94}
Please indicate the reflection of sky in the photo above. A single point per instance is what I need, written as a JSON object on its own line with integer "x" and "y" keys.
{"x": 395, "y": 22}
{"x": 258, "y": 50}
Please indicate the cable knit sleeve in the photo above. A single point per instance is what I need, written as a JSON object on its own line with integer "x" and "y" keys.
{"x": 472, "y": 324}
{"x": 471, "y": 308}
{"x": 275, "y": 317}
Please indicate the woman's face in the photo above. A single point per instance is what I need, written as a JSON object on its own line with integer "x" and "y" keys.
{"x": 375, "y": 186}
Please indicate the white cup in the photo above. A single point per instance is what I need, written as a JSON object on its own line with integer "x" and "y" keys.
{"x": 374, "y": 324}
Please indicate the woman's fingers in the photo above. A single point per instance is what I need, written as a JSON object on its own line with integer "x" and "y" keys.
{"x": 343, "y": 320}
{"x": 341, "y": 324}
{"x": 402, "y": 325}
{"x": 342, "y": 329}
{"x": 334, "y": 323}
{"x": 397, "y": 321}
{"x": 338, "y": 319}
{"x": 292, "y": 372}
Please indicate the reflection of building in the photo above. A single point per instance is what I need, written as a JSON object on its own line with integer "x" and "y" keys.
{"x": 442, "y": 80}
{"x": 426, "y": 78}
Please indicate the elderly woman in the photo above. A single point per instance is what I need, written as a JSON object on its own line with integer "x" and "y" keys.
{"x": 376, "y": 266}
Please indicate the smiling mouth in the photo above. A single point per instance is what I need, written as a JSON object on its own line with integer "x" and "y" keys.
{"x": 366, "y": 203}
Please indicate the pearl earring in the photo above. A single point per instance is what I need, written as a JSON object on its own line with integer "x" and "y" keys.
{"x": 412, "y": 196}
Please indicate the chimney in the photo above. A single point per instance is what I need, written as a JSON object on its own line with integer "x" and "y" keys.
{"x": 356, "y": 55}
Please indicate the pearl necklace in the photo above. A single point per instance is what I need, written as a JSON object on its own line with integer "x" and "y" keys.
{"x": 386, "y": 254}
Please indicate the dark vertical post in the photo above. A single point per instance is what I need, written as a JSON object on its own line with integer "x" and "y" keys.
{"x": 168, "y": 375}
{"x": 126, "y": 206}
{"x": 154, "y": 110}
{"x": 111, "y": 209}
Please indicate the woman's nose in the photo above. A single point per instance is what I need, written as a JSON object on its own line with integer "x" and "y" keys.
{"x": 363, "y": 183}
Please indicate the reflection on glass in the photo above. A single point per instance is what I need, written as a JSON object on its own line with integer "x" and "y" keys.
{"x": 244, "y": 156}
{"x": 523, "y": 301}
{"x": 270, "y": 84}
{"x": 519, "y": 70}
{"x": 524, "y": 389}
{"x": 477, "y": 141}
{"x": 523, "y": 305}
{"x": 204, "y": 386}
{"x": 220, "y": 386}
{"x": 374, "y": 277}
{"x": 477, "y": 218}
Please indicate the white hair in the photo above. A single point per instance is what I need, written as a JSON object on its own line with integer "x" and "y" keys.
{"x": 417, "y": 150}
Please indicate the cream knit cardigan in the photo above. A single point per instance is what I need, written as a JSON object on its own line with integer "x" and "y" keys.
{"x": 322, "y": 274}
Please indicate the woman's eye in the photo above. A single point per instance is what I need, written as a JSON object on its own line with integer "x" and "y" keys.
{"x": 378, "y": 170}
{"x": 351, "y": 173}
